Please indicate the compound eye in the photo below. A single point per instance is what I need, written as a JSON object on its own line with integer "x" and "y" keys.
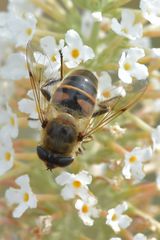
{"x": 42, "y": 153}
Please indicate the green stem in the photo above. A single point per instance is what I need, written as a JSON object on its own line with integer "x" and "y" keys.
{"x": 140, "y": 123}
{"x": 155, "y": 225}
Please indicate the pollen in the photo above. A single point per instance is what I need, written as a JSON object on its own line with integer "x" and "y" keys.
{"x": 29, "y": 31}
{"x": 114, "y": 217}
{"x": 76, "y": 184}
{"x": 85, "y": 208}
{"x": 12, "y": 121}
{"x": 125, "y": 30}
{"x": 106, "y": 94}
{"x": 75, "y": 53}
{"x": 7, "y": 156}
{"x": 25, "y": 197}
{"x": 53, "y": 58}
{"x": 127, "y": 66}
{"x": 132, "y": 159}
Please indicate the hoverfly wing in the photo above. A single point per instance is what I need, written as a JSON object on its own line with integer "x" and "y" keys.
{"x": 116, "y": 105}
{"x": 41, "y": 74}
{"x": 35, "y": 74}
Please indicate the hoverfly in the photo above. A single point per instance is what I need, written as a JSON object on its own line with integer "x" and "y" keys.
{"x": 69, "y": 111}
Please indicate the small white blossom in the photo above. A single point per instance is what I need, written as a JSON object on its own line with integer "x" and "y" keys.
{"x": 6, "y": 157}
{"x": 143, "y": 42}
{"x": 116, "y": 219}
{"x": 134, "y": 161}
{"x": 156, "y": 138}
{"x": 116, "y": 238}
{"x": 21, "y": 29}
{"x": 98, "y": 169}
{"x": 51, "y": 50}
{"x": 116, "y": 130}
{"x": 97, "y": 16}
{"x": 129, "y": 68}
{"x": 75, "y": 51}
{"x": 15, "y": 67}
{"x": 9, "y": 122}
{"x": 127, "y": 27}
{"x": 28, "y": 105}
{"x": 20, "y": 7}
{"x": 139, "y": 236}
{"x": 23, "y": 196}
{"x": 105, "y": 88}
{"x": 74, "y": 184}
{"x": 158, "y": 181}
{"x": 87, "y": 24}
{"x": 87, "y": 210}
{"x": 150, "y": 10}
{"x": 155, "y": 52}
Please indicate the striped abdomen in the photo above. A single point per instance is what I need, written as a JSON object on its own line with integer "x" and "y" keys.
{"x": 77, "y": 94}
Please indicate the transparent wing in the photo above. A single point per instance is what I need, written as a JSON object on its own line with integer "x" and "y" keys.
{"x": 115, "y": 106}
{"x": 41, "y": 72}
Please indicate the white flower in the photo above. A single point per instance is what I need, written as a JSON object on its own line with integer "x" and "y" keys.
{"x": 74, "y": 184}
{"x": 75, "y": 51}
{"x": 98, "y": 169}
{"x": 87, "y": 210}
{"x": 129, "y": 68}
{"x": 22, "y": 6}
{"x": 51, "y": 49}
{"x": 158, "y": 181}
{"x": 156, "y": 138}
{"x": 6, "y": 157}
{"x": 143, "y": 42}
{"x": 23, "y": 196}
{"x": 139, "y": 236}
{"x": 105, "y": 88}
{"x": 21, "y": 29}
{"x": 127, "y": 27}
{"x": 116, "y": 238}
{"x": 87, "y": 24}
{"x": 150, "y": 10}
{"x": 14, "y": 68}
{"x": 134, "y": 162}
{"x": 97, "y": 16}
{"x": 28, "y": 105}
{"x": 9, "y": 122}
{"x": 155, "y": 52}
{"x": 116, "y": 219}
{"x": 116, "y": 130}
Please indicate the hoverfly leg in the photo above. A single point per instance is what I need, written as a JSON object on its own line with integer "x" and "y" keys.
{"x": 105, "y": 106}
{"x": 45, "y": 91}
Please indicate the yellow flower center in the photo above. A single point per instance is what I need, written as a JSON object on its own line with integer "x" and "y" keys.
{"x": 77, "y": 184}
{"x": 29, "y": 31}
{"x": 26, "y": 197}
{"x": 127, "y": 66}
{"x": 53, "y": 58}
{"x": 12, "y": 121}
{"x": 114, "y": 217}
{"x": 7, "y": 156}
{"x": 125, "y": 30}
{"x": 75, "y": 53}
{"x": 132, "y": 159}
{"x": 85, "y": 208}
{"x": 106, "y": 94}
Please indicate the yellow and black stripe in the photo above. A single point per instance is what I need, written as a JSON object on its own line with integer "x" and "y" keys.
{"x": 77, "y": 93}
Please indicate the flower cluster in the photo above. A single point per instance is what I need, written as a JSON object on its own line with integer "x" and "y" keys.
{"x": 8, "y": 131}
{"x": 114, "y": 42}
{"x": 76, "y": 185}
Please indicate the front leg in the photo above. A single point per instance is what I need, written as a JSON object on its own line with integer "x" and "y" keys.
{"x": 106, "y": 106}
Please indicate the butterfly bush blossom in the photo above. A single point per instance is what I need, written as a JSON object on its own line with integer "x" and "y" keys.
{"x": 111, "y": 190}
